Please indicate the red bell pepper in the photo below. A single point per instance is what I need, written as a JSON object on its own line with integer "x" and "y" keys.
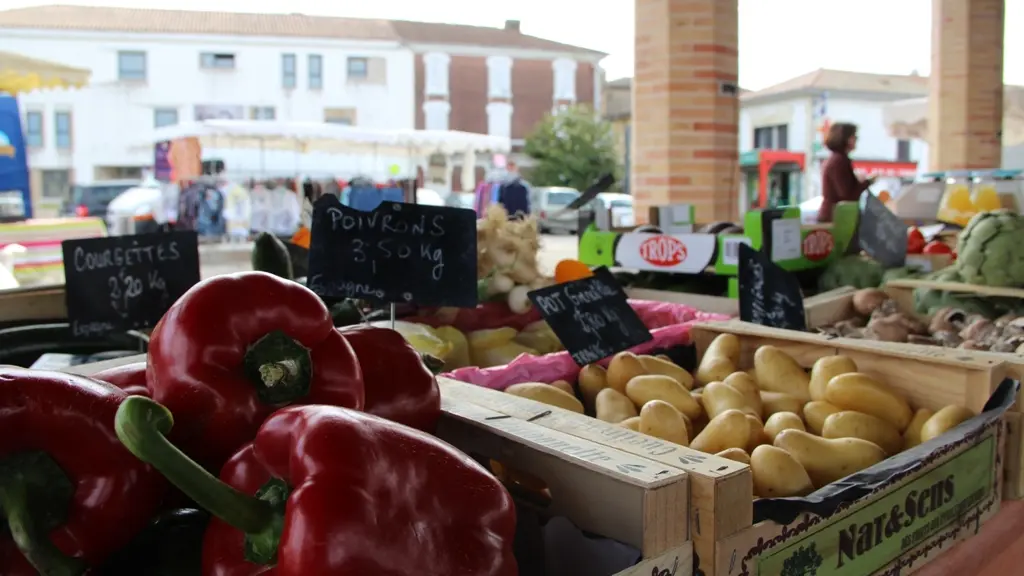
{"x": 325, "y": 490}
{"x": 128, "y": 377}
{"x": 915, "y": 241}
{"x": 70, "y": 493}
{"x": 234, "y": 348}
{"x": 399, "y": 385}
{"x": 937, "y": 247}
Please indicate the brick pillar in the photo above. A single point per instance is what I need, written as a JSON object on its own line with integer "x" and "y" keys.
{"x": 684, "y": 135}
{"x": 965, "y": 103}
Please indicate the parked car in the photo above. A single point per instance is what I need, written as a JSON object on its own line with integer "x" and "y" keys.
{"x": 93, "y": 199}
{"x": 548, "y": 205}
{"x": 137, "y": 210}
{"x": 621, "y": 206}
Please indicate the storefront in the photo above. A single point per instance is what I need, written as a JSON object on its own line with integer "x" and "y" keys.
{"x": 771, "y": 178}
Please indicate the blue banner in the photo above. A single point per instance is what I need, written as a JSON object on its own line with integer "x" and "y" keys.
{"x": 13, "y": 156}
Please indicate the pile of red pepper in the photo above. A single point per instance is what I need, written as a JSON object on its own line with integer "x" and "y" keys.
{"x": 321, "y": 439}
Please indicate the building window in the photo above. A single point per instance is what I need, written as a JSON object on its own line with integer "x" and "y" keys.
{"x": 62, "y": 129}
{"x": 288, "y": 71}
{"x": 131, "y": 65}
{"x": 56, "y": 183}
{"x": 903, "y": 151}
{"x": 165, "y": 117}
{"x": 358, "y": 68}
{"x": 262, "y": 113}
{"x": 435, "y": 65}
{"x": 217, "y": 61}
{"x": 772, "y": 137}
{"x": 499, "y": 77}
{"x": 564, "y": 79}
{"x": 34, "y": 129}
{"x": 341, "y": 116}
{"x": 316, "y": 72}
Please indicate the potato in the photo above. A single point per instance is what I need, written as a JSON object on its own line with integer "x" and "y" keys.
{"x": 661, "y": 420}
{"x": 944, "y": 420}
{"x": 622, "y": 368}
{"x": 719, "y": 397}
{"x": 780, "y": 421}
{"x": 613, "y": 406}
{"x": 591, "y": 380}
{"x": 664, "y": 357}
{"x": 746, "y": 384}
{"x": 690, "y": 430}
{"x": 778, "y": 372}
{"x": 777, "y": 474}
{"x": 546, "y": 394}
{"x": 849, "y": 424}
{"x": 815, "y": 413}
{"x": 720, "y": 359}
{"x": 729, "y": 429}
{"x": 490, "y": 338}
{"x": 631, "y": 423}
{"x": 655, "y": 365}
{"x": 775, "y": 402}
{"x": 735, "y": 454}
{"x": 757, "y": 434}
{"x": 825, "y": 369}
{"x": 829, "y": 459}
{"x": 564, "y": 386}
{"x": 643, "y": 389}
{"x": 912, "y": 435}
{"x": 862, "y": 393}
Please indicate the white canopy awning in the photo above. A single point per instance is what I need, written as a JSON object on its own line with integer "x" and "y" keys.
{"x": 908, "y": 119}
{"x": 325, "y": 137}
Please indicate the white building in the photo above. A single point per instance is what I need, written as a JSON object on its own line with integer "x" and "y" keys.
{"x": 792, "y": 117}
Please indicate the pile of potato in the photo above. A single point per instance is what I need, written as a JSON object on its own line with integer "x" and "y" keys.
{"x": 797, "y": 431}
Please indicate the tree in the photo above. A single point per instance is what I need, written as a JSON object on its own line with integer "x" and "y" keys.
{"x": 573, "y": 148}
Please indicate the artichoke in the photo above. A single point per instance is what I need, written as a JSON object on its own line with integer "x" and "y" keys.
{"x": 990, "y": 250}
{"x": 850, "y": 270}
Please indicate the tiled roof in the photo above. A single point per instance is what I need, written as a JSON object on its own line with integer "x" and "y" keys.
{"x": 143, "y": 20}
{"x": 841, "y": 80}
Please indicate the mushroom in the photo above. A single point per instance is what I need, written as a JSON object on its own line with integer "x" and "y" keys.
{"x": 1007, "y": 344}
{"x": 1005, "y": 319}
{"x": 867, "y": 300}
{"x": 980, "y": 330}
{"x": 1020, "y": 349}
{"x": 917, "y": 339}
{"x": 913, "y": 325}
{"x": 971, "y": 345}
{"x": 887, "y": 329}
{"x": 948, "y": 320}
{"x": 885, "y": 309}
{"x": 947, "y": 338}
{"x": 1013, "y": 327}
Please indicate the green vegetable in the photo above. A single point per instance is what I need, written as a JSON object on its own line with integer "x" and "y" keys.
{"x": 852, "y": 270}
{"x": 904, "y": 273}
{"x": 990, "y": 250}
{"x": 269, "y": 254}
{"x": 172, "y": 545}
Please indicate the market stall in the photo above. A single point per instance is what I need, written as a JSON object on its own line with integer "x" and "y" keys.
{"x": 631, "y": 437}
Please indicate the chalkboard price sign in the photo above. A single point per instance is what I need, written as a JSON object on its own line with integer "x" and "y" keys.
{"x": 769, "y": 295}
{"x": 591, "y": 317}
{"x": 400, "y": 253}
{"x": 882, "y": 234}
{"x": 126, "y": 282}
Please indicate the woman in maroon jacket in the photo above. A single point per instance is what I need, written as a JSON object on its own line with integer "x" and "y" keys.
{"x": 838, "y": 182}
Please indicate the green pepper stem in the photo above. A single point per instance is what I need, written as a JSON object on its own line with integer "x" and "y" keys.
{"x": 141, "y": 425}
{"x": 30, "y": 536}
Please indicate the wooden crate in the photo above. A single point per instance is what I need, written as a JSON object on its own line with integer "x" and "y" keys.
{"x": 725, "y": 539}
{"x": 35, "y": 303}
{"x": 1003, "y": 365}
{"x": 604, "y": 491}
{"x": 819, "y": 309}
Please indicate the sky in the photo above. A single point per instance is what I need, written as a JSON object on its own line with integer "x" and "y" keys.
{"x": 779, "y": 39}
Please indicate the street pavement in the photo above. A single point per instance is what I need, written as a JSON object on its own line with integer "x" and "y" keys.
{"x": 228, "y": 258}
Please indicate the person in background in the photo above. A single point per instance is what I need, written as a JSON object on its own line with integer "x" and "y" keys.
{"x": 838, "y": 181}
{"x": 514, "y": 194}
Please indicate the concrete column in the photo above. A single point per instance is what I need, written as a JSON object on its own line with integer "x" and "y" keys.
{"x": 685, "y": 107}
{"x": 965, "y": 103}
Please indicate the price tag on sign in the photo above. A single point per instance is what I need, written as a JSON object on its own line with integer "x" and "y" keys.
{"x": 769, "y": 295}
{"x": 398, "y": 253}
{"x": 126, "y": 282}
{"x": 591, "y": 317}
{"x": 882, "y": 235}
